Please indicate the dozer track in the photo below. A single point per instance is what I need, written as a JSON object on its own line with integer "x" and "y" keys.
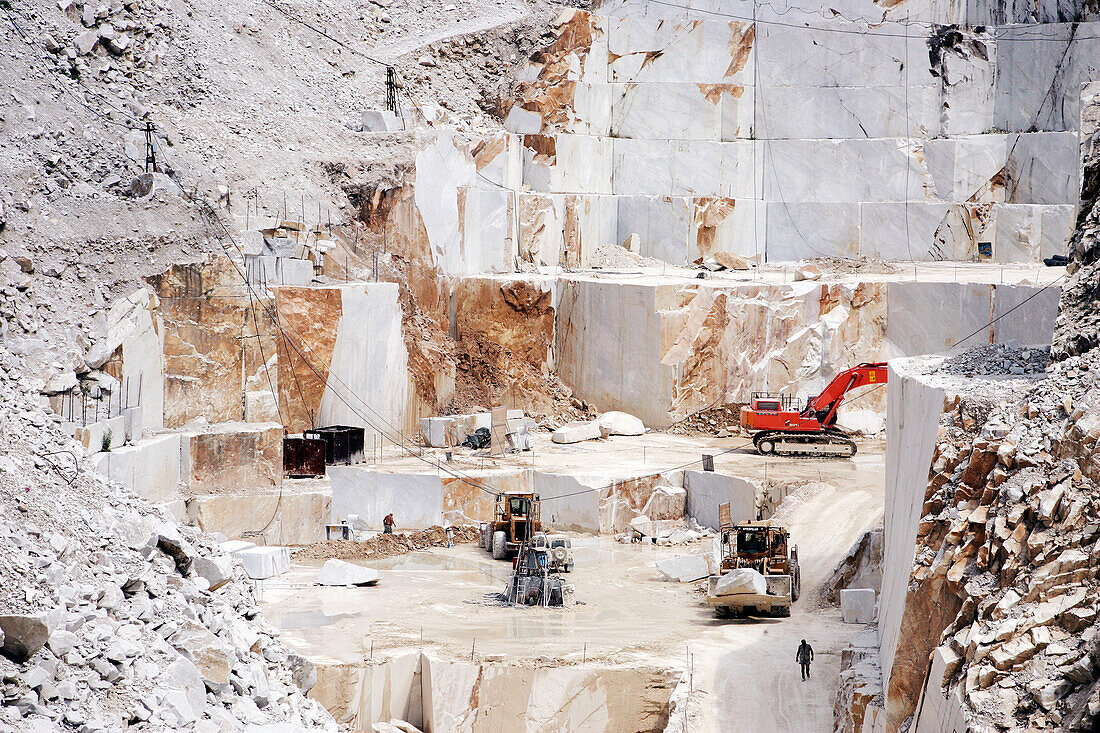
{"x": 834, "y": 444}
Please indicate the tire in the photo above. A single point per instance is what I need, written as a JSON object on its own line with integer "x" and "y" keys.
{"x": 796, "y": 583}
{"x": 568, "y": 567}
{"x": 500, "y": 545}
{"x": 766, "y": 447}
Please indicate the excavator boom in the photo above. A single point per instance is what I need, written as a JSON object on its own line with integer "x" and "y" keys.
{"x": 846, "y": 381}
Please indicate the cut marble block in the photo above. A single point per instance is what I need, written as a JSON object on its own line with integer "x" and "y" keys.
{"x": 959, "y": 310}
{"x": 1057, "y": 226}
{"x": 607, "y": 362}
{"x": 948, "y": 313}
{"x": 809, "y": 13}
{"x": 1030, "y": 323}
{"x": 679, "y": 111}
{"x": 684, "y": 569}
{"x": 918, "y": 231}
{"x": 488, "y": 236}
{"x": 264, "y": 562}
{"x": 799, "y": 230}
{"x": 839, "y": 170}
{"x": 967, "y": 168}
{"x": 415, "y": 499}
{"x": 570, "y": 503}
{"x": 692, "y": 51}
{"x": 846, "y": 112}
{"x": 1040, "y": 70}
{"x": 542, "y": 228}
{"x": 706, "y": 490}
{"x": 1042, "y": 168}
{"x": 662, "y": 223}
{"x": 685, "y": 168}
{"x": 435, "y": 431}
{"x": 567, "y": 163}
{"x": 857, "y": 605}
{"x": 805, "y": 57}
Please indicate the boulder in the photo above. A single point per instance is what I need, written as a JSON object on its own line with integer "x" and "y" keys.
{"x": 24, "y": 636}
{"x": 338, "y": 572}
{"x": 575, "y": 432}
{"x": 303, "y": 673}
{"x": 656, "y": 529}
{"x": 86, "y": 41}
{"x": 666, "y": 502}
{"x": 62, "y": 642}
{"x": 172, "y": 544}
{"x": 857, "y": 605}
{"x": 732, "y": 261}
{"x": 208, "y": 653}
{"x": 740, "y": 581}
{"x": 685, "y": 568}
{"x": 216, "y": 570}
{"x": 620, "y": 423}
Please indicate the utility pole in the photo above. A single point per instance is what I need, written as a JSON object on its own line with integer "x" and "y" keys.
{"x": 150, "y": 149}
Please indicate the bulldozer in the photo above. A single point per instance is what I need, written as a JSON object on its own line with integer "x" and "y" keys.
{"x": 778, "y": 426}
{"x": 516, "y": 518}
{"x": 758, "y": 569}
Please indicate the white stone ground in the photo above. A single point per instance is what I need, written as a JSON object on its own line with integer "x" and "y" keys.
{"x": 744, "y": 678}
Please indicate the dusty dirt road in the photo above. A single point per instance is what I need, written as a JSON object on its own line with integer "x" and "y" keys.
{"x": 748, "y": 678}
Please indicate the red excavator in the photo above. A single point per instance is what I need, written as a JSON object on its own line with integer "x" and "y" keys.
{"x": 779, "y": 427}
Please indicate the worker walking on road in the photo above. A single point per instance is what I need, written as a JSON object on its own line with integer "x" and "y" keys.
{"x": 804, "y": 656}
{"x": 387, "y": 524}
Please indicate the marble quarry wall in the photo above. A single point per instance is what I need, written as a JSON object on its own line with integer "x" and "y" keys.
{"x": 472, "y": 697}
{"x": 233, "y": 458}
{"x": 602, "y": 503}
{"x": 701, "y": 134}
{"x": 290, "y": 517}
{"x": 342, "y": 359}
{"x": 663, "y": 351}
{"x": 912, "y": 429}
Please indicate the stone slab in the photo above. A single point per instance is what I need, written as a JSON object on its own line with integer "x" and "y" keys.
{"x": 857, "y": 605}
{"x": 685, "y": 568}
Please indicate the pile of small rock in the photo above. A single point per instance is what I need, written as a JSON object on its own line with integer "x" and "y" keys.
{"x": 1007, "y": 359}
{"x": 113, "y": 616}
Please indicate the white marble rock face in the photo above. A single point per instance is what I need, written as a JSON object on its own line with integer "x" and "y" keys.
{"x": 816, "y": 112}
{"x": 797, "y": 230}
{"x": 708, "y": 52}
{"x": 634, "y": 116}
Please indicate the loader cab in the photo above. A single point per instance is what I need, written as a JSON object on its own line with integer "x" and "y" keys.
{"x": 752, "y": 541}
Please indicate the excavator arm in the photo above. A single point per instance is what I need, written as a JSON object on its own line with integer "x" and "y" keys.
{"x": 830, "y": 398}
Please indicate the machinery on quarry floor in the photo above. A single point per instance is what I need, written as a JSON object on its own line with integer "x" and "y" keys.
{"x": 778, "y": 427}
{"x": 558, "y": 548}
{"x": 516, "y": 518}
{"x": 535, "y": 580}
{"x": 758, "y": 570}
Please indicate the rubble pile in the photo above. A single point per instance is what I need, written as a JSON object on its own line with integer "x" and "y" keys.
{"x": 384, "y": 545}
{"x": 1005, "y": 564}
{"x": 112, "y": 615}
{"x": 998, "y": 359}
